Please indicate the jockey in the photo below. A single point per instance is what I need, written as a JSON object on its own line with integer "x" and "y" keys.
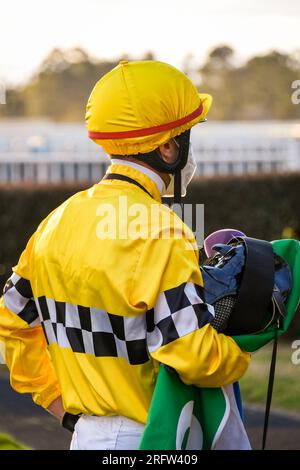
{"x": 109, "y": 285}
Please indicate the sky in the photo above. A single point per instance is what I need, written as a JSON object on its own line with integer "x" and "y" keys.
{"x": 108, "y": 29}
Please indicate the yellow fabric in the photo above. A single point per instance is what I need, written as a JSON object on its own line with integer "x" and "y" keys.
{"x": 27, "y": 357}
{"x": 67, "y": 261}
{"x": 139, "y": 95}
{"x": 214, "y": 351}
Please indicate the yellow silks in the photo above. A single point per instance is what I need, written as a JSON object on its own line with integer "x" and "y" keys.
{"x": 78, "y": 278}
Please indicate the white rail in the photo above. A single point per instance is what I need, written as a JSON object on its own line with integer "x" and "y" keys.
{"x": 44, "y": 152}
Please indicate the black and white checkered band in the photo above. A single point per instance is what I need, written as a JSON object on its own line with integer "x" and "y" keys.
{"x": 94, "y": 331}
{"x": 178, "y": 312}
{"x": 18, "y": 298}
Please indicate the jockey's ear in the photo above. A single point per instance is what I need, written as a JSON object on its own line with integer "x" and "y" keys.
{"x": 169, "y": 151}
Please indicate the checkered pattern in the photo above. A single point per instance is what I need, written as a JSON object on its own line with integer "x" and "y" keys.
{"x": 94, "y": 331}
{"x": 178, "y": 312}
{"x": 18, "y": 298}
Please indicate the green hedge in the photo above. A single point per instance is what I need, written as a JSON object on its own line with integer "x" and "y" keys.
{"x": 21, "y": 211}
{"x": 261, "y": 206}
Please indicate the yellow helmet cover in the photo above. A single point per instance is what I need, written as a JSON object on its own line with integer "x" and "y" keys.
{"x": 140, "y": 105}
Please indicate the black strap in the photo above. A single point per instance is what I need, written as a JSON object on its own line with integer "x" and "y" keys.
{"x": 155, "y": 160}
{"x": 69, "y": 421}
{"x": 278, "y": 302}
{"x": 117, "y": 176}
{"x": 177, "y": 187}
{"x": 256, "y": 289}
{"x": 270, "y": 387}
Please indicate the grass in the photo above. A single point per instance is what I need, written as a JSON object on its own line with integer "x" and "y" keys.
{"x": 286, "y": 390}
{"x": 8, "y": 443}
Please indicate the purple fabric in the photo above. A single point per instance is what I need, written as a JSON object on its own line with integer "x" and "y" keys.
{"x": 220, "y": 236}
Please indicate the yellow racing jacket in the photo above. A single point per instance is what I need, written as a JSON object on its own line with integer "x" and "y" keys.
{"x": 101, "y": 295}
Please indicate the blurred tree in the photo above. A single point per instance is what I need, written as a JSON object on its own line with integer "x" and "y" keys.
{"x": 55, "y": 61}
{"x": 60, "y": 88}
{"x": 15, "y": 106}
{"x": 215, "y": 75}
{"x": 148, "y": 56}
{"x": 269, "y": 96}
{"x": 220, "y": 58}
{"x": 258, "y": 89}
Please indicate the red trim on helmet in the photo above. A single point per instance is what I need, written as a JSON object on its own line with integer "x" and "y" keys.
{"x": 149, "y": 130}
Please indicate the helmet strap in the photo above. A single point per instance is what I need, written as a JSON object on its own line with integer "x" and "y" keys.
{"x": 155, "y": 160}
{"x": 177, "y": 187}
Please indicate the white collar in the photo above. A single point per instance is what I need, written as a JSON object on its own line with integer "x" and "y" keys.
{"x": 154, "y": 176}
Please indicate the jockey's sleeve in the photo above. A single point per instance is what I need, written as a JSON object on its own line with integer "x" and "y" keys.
{"x": 26, "y": 352}
{"x": 169, "y": 282}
